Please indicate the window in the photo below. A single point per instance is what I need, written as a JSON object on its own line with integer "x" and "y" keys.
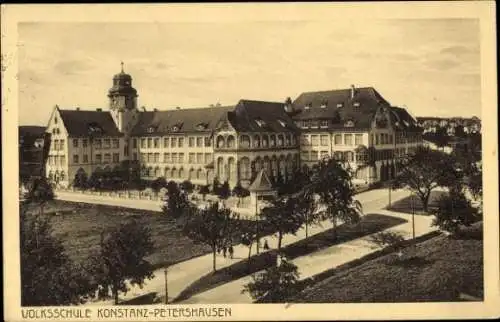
{"x": 85, "y": 158}
{"x": 156, "y": 143}
{"x": 107, "y": 158}
{"x": 371, "y": 139}
{"x": 165, "y": 142}
{"x": 314, "y": 123}
{"x": 116, "y": 157}
{"x": 75, "y": 143}
{"x": 280, "y": 140}
{"x": 314, "y": 140}
{"x": 166, "y": 157}
{"x": 324, "y": 154}
{"x": 107, "y": 143}
{"x": 208, "y": 157}
{"x": 75, "y": 159}
{"x": 134, "y": 143}
{"x": 314, "y": 155}
{"x": 305, "y": 155}
{"x": 272, "y": 140}
{"x": 143, "y": 157}
{"x": 207, "y": 141}
{"x": 338, "y": 139}
{"x": 339, "y": 105}
{"x": 181, "y": 157}
{"x": 134, "y": 156}
{"x": 173, "y": 142}
{"x": 260, "y": 122}
{"x": 282, "y": 123}
{"x": 56, "y": 145}
{"x": 84, "y": 143}
{"x": 304, "y": 140}
{"x": 181, "y": 142}
{"x": 55, "y": 119}
{"x": 191, "y": 158}
{"x": 61, "y": 144}
{"x": 199, "y": 142}
{"x": 348, "y": 139}
{"x": 376, "y": 138}
{"x": 191, "y": 142}
{"x": 150, "y": 157}
{"x": 308, "y": 106}
{"x": 287, "y": 140}
{"x": 174, "y": 157}
{"x": 324, "y": 123}
{"x": 356, "y": 104}
{"x": 157, "y": 157}
{"x": 143, "y": 143}
{"x": 150, "y": 143}
{"x": 116, "y": 143}
{"x": 199, "y": 158}
{"x": 358, "y": 139}
{"x": 324, "y": 140}
{"x": 98, "y": 158}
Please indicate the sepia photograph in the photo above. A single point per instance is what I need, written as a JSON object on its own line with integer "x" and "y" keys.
{"x": 172, "y": 169}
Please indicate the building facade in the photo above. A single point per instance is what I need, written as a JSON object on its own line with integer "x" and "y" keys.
{"x": 231, "y": 143}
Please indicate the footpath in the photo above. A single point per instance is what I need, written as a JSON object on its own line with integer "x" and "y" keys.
{"x": 182, "y": 274}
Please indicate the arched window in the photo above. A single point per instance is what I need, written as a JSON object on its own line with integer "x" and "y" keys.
{"x": 173, "y": 173}
{"x": 220, "y": 168}
{"x": 258, "y": 164}
{"x": 62, "y": 175}
{"x": 350, "y": 156}
{"x": 256, "y": 141}
{"x": 191, "y": 174}
{"x": 244, "y": 141}
{"x": 232, "y": 168}
{"x": 199, "y": 174}
{"x": 287, "y": 140}
{"x": 282, "y": 167}
{"x": 267, "y": 165}
{"x": 274, "y": 167}
{"x": 51, "y": 176}
{"x": 265, "y": 141}
{"x": 280, "y": 140}
{"x": 167, "y": 172}
{"x": 157, "y": 172}
{"x": 181, "y": 173}
{"x": 245, "y": 170}
{"x": 220, "y": 141}
{"x": 150, "y": 172}
{"x": 230, "y": 142}
{"x": 272, "y": 140}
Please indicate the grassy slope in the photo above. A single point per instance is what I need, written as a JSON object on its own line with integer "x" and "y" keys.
{"x": 79, "y": 226}
{"x": 436, "y": 270}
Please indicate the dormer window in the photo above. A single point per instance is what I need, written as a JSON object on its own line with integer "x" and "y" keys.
{"x": 282, "y": 123}
{"x": 201, "y": 126}
{"x": 349, "y": 123}
{"x": 323, "y": 123}
{"x": 308, "y": 106}
{"x": 324, "y": 104}
{"x": 339, "y": 105}
{"x": 356, "y": 104}
{"x": 151, "y": 129}
{"x": 260, "y": 122}
{"x": 177, "y": 127}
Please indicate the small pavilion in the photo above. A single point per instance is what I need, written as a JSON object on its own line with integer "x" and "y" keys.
{"x": 261, "y": 189}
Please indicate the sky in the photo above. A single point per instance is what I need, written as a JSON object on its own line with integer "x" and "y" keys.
{"x": 430, "y": 66}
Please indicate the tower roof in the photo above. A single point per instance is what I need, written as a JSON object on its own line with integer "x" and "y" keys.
{"x": 261, "y": 183}
{"x": 122, "y": 84}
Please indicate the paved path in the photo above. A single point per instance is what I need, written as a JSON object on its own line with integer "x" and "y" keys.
{"x": 316, "y": 262}
{"x": 184, "y": 273}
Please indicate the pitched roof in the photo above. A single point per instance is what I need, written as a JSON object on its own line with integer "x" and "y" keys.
{"x": 79, "y": 123}
{"x": 261, "y": 183}
{"x": 402, "y": 120}
{"x": 31, "y": 130}
{"x": 186, "y": 120}
{"x": 261, "y": 116}
{"x": 339, "y": 107}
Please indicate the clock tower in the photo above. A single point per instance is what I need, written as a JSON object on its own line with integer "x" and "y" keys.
{"x": 123, "y": 102}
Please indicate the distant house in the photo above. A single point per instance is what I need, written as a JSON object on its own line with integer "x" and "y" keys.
{"x": 33, "y": 150}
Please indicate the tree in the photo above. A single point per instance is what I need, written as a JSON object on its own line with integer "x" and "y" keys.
{"x": 48, "y": 276}
{"x": 333, "y": 184}
{"x": 177, "y": 202}
{"x": 223, "y": 192}
{"x": 157, "y": 184}
{"x": 80, "y": 180}
{"x": 275, "y": 284}
{"x": 454, "y": 210}
{"x": 307, "y": 210}
{"x": 249, "y": 234}
{"x": 121, "y": 259}
{"x": 216, "y": 186}
{"x": 240, "y": 192}
{"x": 424, "y": 171}
{"x": 40, "y": 192}
{"x": 213, "y": 226}
{"x": 282, "y": 217}
{"x": 204, "y": 190}
{"x": 187, "y": 186}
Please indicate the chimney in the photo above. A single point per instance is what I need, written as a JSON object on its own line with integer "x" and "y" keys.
{"x": 155, "y": 109}
{"x": 99, "y": 109}
{"x": 353, "y": 90}
{"x": 143, "y": 108}
{"x": 288, "y": 105}
{"x": 77, "y": 108}
{"x": 177, "y": 107}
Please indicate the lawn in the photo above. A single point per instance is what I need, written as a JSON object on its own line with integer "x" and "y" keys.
{"x": 79, "y": 226}
{"x": 438, "y": 269}
{"x": 405, "y": 204}
{"x": 369, "y": 224}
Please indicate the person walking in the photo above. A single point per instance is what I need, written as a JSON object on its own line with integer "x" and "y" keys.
{"x": 224, "y": 249}
{"x": 231, "y": 251}
{"x": 266, "y": 245}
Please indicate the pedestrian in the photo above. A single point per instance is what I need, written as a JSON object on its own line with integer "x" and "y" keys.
{"x": 231, "y": 251}
{"x": 224, "y": 252}
{"x": 266, "y": 245}
{"x": 218, "y": 250}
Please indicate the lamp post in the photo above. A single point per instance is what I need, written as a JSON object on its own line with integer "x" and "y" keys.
{"x": 257, "y": 222}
